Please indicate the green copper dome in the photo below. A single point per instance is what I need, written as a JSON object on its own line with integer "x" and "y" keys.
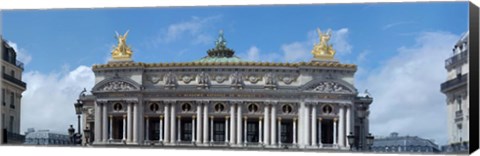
{"x": 221, "y": 53}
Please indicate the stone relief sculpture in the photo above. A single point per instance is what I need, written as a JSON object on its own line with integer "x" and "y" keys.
{"x": 253, "y": 78}
{"x": 117, "y": 86}
{"x": 220, "y": 78}
{"x": 236, "y": 80}
{"x": 330, "y": 87}
{"x": 170, "y": 80}
{"x": 188, "y": 78}
{"x": 288, "y": 79}
{"x": 203, "y": 80}
{"x": 270, "y": 81}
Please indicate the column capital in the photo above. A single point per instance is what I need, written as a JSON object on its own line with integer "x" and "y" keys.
{"x": 245, "y": 117}
{"x": 161, "y": 116}
{"x": 146, "y": 116}
{"x": 260, "y": 118}
{"x": 320, "y": 119}
{"x": 226, "y": 117}
{"x": 110, "y": 116}
{"x": 179, "y": 117}
{"x": 124, "y": 116}
{"x": 294, "y": 119}
{"x": 194, "y": 116}
{"x": 211, "y": 117}
{"x": 279, "y": 118}
{"x": 335, "y": 119}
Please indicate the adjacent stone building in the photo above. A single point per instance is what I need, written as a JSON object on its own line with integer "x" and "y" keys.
{"x": 222, "y": 100}
{"x": 11, "y": 95}
{"x": 404, "y": 144}
{"x": 456, "y": 90}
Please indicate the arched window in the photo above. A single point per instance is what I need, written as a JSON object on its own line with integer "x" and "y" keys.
{"x": 287, "y": 108}
{"x": 186, "y": 107}
{"x": 117, "y": 107}
{"x": 219, "y": 107}
{"x": 252, "y": 108}
{"x": 154, "y": 107}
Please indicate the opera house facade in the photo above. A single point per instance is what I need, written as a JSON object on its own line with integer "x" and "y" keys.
{"x": 222, "y": 100}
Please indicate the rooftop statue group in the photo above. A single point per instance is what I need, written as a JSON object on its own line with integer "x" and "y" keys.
{"x": 323, "y": 50}
{"x": 121, "y": 51}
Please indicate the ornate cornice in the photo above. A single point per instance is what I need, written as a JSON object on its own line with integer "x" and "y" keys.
{"x": 216, "y": 64}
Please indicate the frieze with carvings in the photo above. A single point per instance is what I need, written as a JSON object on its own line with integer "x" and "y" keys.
{"x": 117, "y": 86}
{"x": 329, "y": 87}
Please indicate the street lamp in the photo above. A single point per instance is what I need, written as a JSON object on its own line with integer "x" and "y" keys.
{"x": 86, "y": 132}
{"x": 78, "y": 111}
{"x": 370, "y": 141}
{"x": 351, "y": 140}
{"x": 71, "y": 130}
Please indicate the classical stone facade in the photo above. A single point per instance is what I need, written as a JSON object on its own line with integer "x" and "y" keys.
{"x": 221, "y": 100}
{"x": 11, "y": 94}
{"x": 456, "y": 90}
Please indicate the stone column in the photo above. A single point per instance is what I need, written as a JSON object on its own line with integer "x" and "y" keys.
{"x": 348, "y": 114}
{"x": 124, "y": 128}
{"x": 166, "y": 134}
{"x": 226, "y": 129}
{"x": 232, "y": 124}
{"x": 320, "y": 131}
{"x": 173, "y": 123}
{"x": 98, "y": 128}
{"x": 147, "y": 129}
{"x": 279, "y": 126}
{"x": 335, "y": 131}
{"x": 199, "y": 123}
{"x": 211, "y": 129}
{"x": 314, "y": 125}
{"x": 135, "y": 122}
{"x": 205, "y": 123}
{"x": 179, "y": 129}
{"x": 160, "y": 128}
{"x": 260, "y": 137}
{"x": 129, "y": 122}
{"x": 306, "y": 127}
{"x": 301, "y": 124}
{"x": 294, "y": 131}
{"x": 266, "y": 139}
{"x": 341, "y": 135}
{"x": 140, "y": 123}
{"x": 273, "y": 133}
{"x": 245, "y": 130}
{"x": 193, "y": 129}
{"x": 104, "y": 118}
{"x": 239, "y": 124}
{"x": 110, "y": 135}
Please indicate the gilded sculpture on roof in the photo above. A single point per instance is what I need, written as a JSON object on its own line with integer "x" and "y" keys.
{"x": 323, "y": 50}
{"x": 122, "y": 51}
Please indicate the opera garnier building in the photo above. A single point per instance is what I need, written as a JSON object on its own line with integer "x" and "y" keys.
{"x": 221, "y": 100}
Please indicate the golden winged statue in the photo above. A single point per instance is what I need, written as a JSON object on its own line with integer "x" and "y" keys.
{"x": 323, "y": 50}
{"x": 121, "y": 51}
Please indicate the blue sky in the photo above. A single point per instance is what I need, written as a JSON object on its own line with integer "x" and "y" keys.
{"x": 59, "y": 44}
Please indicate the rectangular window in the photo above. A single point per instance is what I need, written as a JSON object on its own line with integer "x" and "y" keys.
{"x": 3, "y": 96}
{"x": 3, "y": 69}
{"x": 12, "y": 73}
{"x": 12, "y": 100}
{"x": 11, "y": 124}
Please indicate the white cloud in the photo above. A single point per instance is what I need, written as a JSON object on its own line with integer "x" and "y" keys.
{"x": 295, "y": 51}
{"x": 388, "y": 26}
{"x": 22, "y": 54}
{"x": 406, "y": 89}
{"x": 48, "y": 101}
{"x": 193, "y": 30}
{"x": 255, "y": 54}
{"x": 340, "y": 42}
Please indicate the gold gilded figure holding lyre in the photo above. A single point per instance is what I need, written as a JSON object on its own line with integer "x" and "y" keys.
{"x": 121, "y": 51}
{"x": 323, "y": 50}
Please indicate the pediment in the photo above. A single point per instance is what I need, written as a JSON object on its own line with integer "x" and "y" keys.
{"x": 117, "y": 86}
{"x": 328, "y": 87}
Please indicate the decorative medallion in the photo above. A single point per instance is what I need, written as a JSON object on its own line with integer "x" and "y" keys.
{"x": 287, "y": 79}
{"x": 254, "y": 78}
{"x": 154, "y": 78}
{"x": 220, "y": 78}
{"x": 187, "y": 78}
